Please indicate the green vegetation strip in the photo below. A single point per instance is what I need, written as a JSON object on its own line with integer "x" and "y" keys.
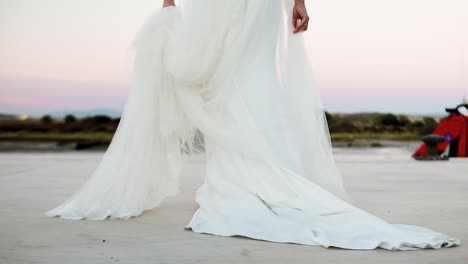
{"x": 51, "y": 136}
{"x": 406, "y": 136}
{"x": 107, "y": 136}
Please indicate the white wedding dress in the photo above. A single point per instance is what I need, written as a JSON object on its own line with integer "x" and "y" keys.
{"x": 233, "y": 70}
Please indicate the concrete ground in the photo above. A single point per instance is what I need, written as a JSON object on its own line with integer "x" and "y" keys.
{"x": 383, "y": 181}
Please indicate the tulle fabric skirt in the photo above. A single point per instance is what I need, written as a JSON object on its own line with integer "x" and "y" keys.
{"x": 234, "y": 71}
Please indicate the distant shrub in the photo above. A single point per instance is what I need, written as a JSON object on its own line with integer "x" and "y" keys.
{"x": 429, "y": 122}
{"x": 389, "y": 120}
{"x": 404, "y": 120}
{"x": 424, "y": 127}
{"x": 97, "y": 119}
{"x": 69, "y": 119}
{"x": 429, "y": 125}
{"x": 47, "y": 119}
{"x": 417, "y": 124}
{"x": 343, "y": 126}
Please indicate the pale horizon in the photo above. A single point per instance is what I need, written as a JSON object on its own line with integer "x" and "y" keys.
{"x": 367, "y": 55}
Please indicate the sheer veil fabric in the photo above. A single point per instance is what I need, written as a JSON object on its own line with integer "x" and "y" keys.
{"x": 234, "y": 71}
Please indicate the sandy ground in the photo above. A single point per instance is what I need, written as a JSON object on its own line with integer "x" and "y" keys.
{"x": 383, "y": 181}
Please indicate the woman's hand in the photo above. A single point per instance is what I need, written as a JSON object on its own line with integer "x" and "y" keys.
{"x": 300, "y": 16}
{"x": 167, "y": 3}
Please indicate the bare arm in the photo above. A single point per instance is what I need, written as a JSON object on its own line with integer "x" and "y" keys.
{"x": 167, "y": 3}
{"x": 300, "y": 16}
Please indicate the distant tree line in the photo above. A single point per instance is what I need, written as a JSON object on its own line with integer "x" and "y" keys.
{"x": 70, "y": 123}
{"x": 378, "y": 122}
{"x": 337, "y": 123}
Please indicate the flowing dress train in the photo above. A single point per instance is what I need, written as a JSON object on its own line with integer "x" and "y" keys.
{"x": 234, "y": 71}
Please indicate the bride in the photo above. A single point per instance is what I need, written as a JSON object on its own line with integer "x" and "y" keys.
{"x": 237, "y": 72}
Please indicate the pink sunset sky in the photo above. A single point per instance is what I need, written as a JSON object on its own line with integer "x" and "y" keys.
{"x": 402, "y": 56}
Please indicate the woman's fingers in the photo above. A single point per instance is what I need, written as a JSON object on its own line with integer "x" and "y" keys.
{"x": 302, "y": 25}
{"x": 300, "y": 18}
{"x": 168, "y": 3}
{"x": 295, "y": 18}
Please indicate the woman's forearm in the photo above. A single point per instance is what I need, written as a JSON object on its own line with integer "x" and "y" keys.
{"x": 300, "y": 16}
{"x": 168, "y": 3}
